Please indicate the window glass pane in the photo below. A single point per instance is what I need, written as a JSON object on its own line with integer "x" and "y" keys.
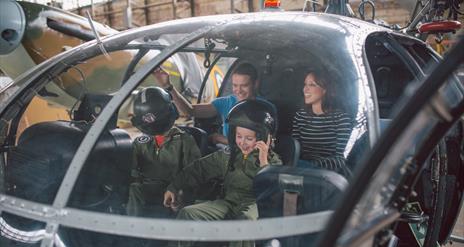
{"x": 391, "y": 75}
{"x": 54, "y": 122}
{"x": 134, "y": 162}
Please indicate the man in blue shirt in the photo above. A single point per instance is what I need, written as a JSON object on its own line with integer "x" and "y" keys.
{"x": 244, "y": 86}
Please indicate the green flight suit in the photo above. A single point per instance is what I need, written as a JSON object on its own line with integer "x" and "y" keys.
{"x": 155, "y": 167}
{"x": 238, "y": 200}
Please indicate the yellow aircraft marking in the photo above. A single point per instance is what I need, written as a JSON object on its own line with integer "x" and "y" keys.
{"x": 172, "y": 72}
{"x": 215, "y": 82}
{"x": 38, "y": 111}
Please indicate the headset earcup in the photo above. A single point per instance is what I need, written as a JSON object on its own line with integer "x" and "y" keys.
{"x": 135, "y": 121}
{"x": 174, "y": 111}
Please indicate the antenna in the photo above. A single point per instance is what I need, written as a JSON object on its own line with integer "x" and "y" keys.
{"x": 97, "y": 37}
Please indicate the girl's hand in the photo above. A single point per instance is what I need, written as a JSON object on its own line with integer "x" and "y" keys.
{"x": 263, "y": 151}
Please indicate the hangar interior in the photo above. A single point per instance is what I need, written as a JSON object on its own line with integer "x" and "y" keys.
{"x": 383, "y": 61}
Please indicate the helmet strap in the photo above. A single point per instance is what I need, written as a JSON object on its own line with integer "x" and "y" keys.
{"x": 230, "y": 163}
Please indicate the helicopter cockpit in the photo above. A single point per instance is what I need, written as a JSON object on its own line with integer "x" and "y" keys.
{"x": 70, "y": 165}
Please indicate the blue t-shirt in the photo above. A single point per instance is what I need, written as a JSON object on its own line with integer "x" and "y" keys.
{"x": 224, "y": 104}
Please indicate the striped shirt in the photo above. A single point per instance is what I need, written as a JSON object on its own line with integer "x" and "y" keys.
{"x": 323, "y": 138}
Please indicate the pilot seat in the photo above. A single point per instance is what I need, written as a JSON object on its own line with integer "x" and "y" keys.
{"x": 38, "y": 163}
{"x": 288, "y": 148}
{"x": 286, "y": 191}
{"x": 200, "y": 136}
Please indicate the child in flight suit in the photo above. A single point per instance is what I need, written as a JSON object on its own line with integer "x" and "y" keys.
{"x": 159, "y": 154}
{"x": 251, "y": 128}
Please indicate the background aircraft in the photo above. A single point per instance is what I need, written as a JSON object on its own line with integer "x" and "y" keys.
{"x": 432, "y": 21}
{"x": 33, "y": 33}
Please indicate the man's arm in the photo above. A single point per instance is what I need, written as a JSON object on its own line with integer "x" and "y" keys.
{"x": 204, "y": 110}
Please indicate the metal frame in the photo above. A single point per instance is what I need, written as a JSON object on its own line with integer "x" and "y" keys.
{"x": 232, "y": 230}
{"x": 185, "y": 49}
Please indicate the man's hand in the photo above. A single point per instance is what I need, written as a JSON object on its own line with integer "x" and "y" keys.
{"x": 169, "y": 199}
{"x": 162, "y": 77}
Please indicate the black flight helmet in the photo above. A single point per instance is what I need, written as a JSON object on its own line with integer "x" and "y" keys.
{"x": 256, "y": 115}
{"x": 154, "y": 112}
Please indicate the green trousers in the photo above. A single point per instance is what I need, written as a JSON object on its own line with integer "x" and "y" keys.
{"x": 146, "y": 200}
{"x": 215, "y": 210}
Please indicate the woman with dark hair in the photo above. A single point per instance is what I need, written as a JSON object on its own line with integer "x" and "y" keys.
{"x": 321, "y": 129}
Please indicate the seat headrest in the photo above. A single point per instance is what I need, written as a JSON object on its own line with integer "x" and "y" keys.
{"x": 91, "y": 106}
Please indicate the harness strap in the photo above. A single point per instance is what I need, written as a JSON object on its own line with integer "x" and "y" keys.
{"x": 290, "y": 203}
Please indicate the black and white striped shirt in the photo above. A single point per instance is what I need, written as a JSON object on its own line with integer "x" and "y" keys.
{"x": 323, "y": 138}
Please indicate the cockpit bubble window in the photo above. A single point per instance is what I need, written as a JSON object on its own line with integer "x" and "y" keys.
{"x": 281, "y": 69}
{"x": 97, "y": 186}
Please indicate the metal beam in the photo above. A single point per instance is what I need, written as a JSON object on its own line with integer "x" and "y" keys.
{"x": 108, "y": 14}
{"x": 174, "y": 9}
{"x": 155, "y": 228}
{"x": 91, "y": 9}
{"x": 128, "y": 15}
{"x": 251, "y": 8}
{"x": 145, "y": 11}
{"x": 192, "y": 8}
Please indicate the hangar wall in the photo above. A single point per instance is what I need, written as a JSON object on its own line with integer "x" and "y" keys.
{"x": 144, "y": 12}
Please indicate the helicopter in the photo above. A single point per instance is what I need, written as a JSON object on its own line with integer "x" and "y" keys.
{"x": 32, "y": 33}
{"x": 64, "y": 180}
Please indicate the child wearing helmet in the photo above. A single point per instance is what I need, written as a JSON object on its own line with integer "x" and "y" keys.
{"x": 159, "y": 153}
{"x": 251, "y": 128}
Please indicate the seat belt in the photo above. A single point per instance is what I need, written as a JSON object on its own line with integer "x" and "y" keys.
{"x": 292, "y": 187}
{"x": 290, "y": 203}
